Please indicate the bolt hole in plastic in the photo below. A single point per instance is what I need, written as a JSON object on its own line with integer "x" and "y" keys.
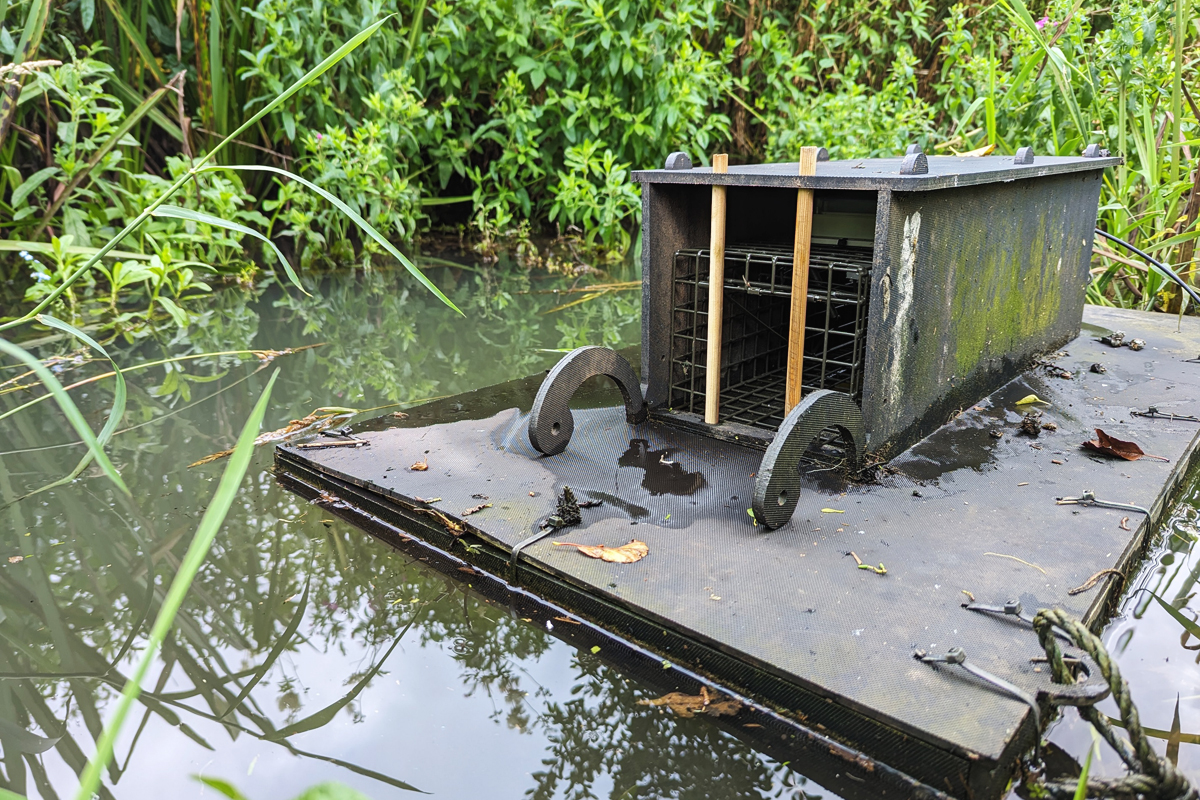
{"x": 554, "y": 429}
{"x": 782, "y": 499}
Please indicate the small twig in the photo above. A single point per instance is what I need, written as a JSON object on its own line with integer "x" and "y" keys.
{"x": 244, "y": 143}
{"x": 1014, "y": 558}
{"x": 321, "y": 445}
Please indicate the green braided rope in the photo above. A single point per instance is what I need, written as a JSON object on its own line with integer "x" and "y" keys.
{"x": 1158, "y": 778}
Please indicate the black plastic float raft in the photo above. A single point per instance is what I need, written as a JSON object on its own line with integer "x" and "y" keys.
{"x": 938, "y": 293}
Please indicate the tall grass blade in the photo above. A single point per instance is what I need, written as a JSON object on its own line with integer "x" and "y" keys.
{"x": 1081, "y": 792}
{"x": 216, "y": 69}
{"x": 128, "y": 94}
{"x": 17, "y": 245}
{"x": 136, "y": 40}
{"x": 414, "y": 30}
{"x": 358, "y": 220}
{"x": 55, "y": 389}
{"x": 1180, "y": 33}
{"x": 220, "y": 785}
{"x": 175, "y": 212}
{"x": 213, "y": 518}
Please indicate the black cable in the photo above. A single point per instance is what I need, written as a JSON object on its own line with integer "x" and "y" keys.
{"x": 1161, "y": 266}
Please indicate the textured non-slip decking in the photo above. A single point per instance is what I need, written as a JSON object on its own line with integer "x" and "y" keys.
{"x": 960, "y": 510}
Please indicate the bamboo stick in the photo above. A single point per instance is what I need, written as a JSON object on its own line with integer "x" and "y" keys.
{"x": 716, "y": 295}
{"x": 800, "y": 254}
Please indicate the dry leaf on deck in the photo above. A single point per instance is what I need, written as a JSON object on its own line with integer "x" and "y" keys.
{"x": 1111, "y": 446}
{"x": 420, "y": 466}
{"x": 687, "y": 705}
{"x": 625, "y": 554}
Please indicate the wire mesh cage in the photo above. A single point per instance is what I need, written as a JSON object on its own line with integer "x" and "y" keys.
{"x": 758, "y": 283}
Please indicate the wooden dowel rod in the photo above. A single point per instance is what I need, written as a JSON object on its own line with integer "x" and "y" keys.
{"x": 716, "y": 296}
{"x": 800, "y": 254}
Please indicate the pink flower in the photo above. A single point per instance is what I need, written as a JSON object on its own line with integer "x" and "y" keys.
{"x": 1043, "y": 22}
{"x": 320, "y": 137}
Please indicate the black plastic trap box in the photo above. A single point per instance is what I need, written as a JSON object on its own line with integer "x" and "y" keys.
{"x": 926, "y": 291}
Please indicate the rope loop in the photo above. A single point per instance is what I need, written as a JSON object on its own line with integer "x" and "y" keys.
{"x": 1150, "y": 776}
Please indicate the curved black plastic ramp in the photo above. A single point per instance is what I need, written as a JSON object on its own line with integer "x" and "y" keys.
{"x": 777, "y": 485}
{"x": 551, "y": 423}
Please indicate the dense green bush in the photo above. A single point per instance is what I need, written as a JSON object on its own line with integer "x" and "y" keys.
{"x": 489, "y": 114}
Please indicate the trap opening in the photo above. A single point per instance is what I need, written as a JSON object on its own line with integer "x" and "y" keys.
{"x": 758, "y": 289}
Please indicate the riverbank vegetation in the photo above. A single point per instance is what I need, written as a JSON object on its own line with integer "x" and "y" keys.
{"x": 500, "y": 124}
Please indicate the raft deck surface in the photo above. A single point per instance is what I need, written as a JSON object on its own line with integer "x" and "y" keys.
{"x": 960, "y": 511}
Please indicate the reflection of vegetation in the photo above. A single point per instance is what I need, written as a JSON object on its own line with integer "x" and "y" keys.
{"x": 395, "y": 345}
{"x": 602, "y": 731}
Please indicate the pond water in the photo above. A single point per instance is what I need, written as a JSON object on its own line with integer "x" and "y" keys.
{"x": 371, "y": 669}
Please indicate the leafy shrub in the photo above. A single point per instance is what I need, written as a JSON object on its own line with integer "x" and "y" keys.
{"x": 594, "y": 194}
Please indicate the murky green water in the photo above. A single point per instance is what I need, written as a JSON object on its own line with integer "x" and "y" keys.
{"x": 370, "y": 669}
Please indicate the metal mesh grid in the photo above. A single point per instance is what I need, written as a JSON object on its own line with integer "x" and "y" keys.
{"x": 758, "y": 282}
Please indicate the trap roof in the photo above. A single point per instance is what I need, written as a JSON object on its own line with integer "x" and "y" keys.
{"x": 880, "y": 173}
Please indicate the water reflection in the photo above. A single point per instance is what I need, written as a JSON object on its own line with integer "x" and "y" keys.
{"x": 1154, "y": 652}
{"x": 308, "y": 651}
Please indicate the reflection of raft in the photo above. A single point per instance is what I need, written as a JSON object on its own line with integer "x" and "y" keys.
{"x": 784, "y": 617}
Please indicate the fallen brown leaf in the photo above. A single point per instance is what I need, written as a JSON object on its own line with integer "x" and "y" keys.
{"x": 420, "y": 466}
{"x": 1124, "y": 524}
{"x": 1119, "y": 448}
{"x": 476, "y": 509}
{"x": 625, "y": 554}
{"x": 15, "y": 559}
{"x": 687, "y": 705}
